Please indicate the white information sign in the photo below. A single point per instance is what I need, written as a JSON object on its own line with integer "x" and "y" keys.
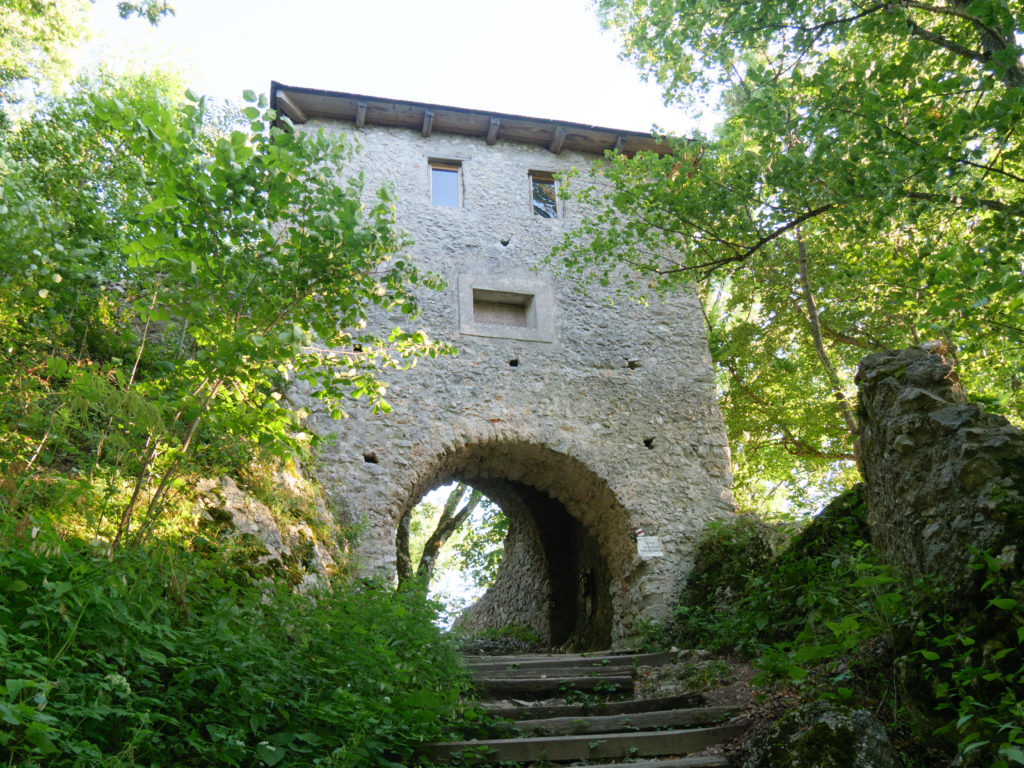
{"x": 648, "y": 547}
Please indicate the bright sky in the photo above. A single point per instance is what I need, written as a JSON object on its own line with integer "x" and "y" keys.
{"x": 541, "y": 58}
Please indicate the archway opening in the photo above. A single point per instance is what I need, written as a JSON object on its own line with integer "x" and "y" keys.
{"x": 451, "y": 542}
{"x": 568, "y": 551}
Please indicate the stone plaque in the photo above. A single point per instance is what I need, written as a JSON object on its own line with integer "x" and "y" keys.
{"x": 648, "y": 547}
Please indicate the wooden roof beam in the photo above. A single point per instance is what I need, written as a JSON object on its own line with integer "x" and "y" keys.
{"x": 428, "y": 123}
{"x": 492, "y": 130}
{"x": 360, "y": 114}
{"x": 620, "y": 143}
{"x": 290, "y": 108}
{"x": 557, "y": 140}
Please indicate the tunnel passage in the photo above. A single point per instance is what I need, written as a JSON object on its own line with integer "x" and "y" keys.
{"x": 568, "y": 542}
{"x": 552, "y": 578}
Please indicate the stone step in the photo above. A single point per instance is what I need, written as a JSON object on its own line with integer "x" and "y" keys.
{"x": 642, "y": 721}
{"x": 698, "y": 761}
{"x": 556, "y": 654}
{"x": 540, "y": 661}
{"x": 584, "y": 747}
{"x": 545, "y": 687}
{"x": 562, "y": 671}
{"x": 527, "y": 710}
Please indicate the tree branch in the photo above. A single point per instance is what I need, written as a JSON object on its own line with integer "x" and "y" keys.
{"x": 948, "y": 10}
{"x": 918, "y": 31}
{"x": 775, "y": 234}
{"x": 446, "y": 526}
{"x": 995, "y": 205}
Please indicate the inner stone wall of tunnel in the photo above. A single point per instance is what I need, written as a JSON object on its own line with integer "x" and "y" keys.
{"x": 553, "y": 578}
{"x": 606, "y": 405}
{"x": 521, "y": 593}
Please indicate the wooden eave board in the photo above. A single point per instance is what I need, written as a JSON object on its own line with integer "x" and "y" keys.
{"x": 464, "y": 122}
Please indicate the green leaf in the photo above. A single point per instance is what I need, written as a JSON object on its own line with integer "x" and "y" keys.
{"x": 1013, "y": 754}
{"x": 56, "y": 366}
{"x": 1003, "y": 603}
{"x": 269, "y": 754}
{"x": 38, "y": 735}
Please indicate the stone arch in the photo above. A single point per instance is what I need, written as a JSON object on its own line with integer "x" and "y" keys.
{"x": 569, "y": 545}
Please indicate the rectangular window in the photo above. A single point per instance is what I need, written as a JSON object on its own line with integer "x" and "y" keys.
{"x": 446, "y": 184}
{"x": 543, "y": 195}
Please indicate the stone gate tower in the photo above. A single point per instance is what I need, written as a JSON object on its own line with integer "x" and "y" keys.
{"x": 584, "y": 420}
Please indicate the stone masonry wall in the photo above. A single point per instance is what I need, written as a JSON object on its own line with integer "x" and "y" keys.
{"x": 521, "y": 592}
{"x": 609, "y": 408}
{"x": 943, "y": 477}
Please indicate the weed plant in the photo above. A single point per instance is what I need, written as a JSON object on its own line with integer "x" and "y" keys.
{"x": 828, "y": 615}
{"x": 159, "y": 656}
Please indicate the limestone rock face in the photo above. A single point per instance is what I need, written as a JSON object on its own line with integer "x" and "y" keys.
{"x": 820, "y": 735}
{"x": 943, "y": 477}
{"x": 223, "y": 502}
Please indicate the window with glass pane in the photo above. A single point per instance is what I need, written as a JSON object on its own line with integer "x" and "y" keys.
{"x": 444, "y": 184}
{"x": 542, "y": 192}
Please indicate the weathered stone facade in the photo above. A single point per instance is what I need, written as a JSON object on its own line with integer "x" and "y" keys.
{"x": 593, "y": 420}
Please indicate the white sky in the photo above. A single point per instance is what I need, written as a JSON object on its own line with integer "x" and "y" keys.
{"x": 541, "y": 58}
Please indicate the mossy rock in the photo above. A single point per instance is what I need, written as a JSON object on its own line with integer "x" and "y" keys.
{"x": 836, "y": 529}
{"x": 821, "y": 735}
{"x": 728, "y": 553}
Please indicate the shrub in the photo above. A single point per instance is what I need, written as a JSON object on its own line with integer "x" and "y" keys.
{"x": 159, "y": 657}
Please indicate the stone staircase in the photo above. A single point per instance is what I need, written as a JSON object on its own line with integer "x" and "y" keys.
{"x": 579, "y": 709}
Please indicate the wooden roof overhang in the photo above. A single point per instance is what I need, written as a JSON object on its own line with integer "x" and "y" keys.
{"x": 302, "y": 104}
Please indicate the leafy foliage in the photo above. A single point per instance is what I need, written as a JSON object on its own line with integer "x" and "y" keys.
{"x": 165, "y": 278}
{"x": 467, "y": 534}
{"x": 161, "y": 656}
{"x": 37, "y": 36}
{"x": 167, "y": 272}
{"x": 864, "y": 191}
{"x": 827, "y": 615}
{"x": 477, "y": 549}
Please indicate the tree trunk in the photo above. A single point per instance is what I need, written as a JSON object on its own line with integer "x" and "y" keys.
{"x": 403, "y": 561}
{"x": 812, "y": 317}
{"x": 448, "y": 523}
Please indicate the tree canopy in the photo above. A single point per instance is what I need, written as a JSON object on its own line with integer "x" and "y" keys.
{"x": 865, "y": 190}
{"x": 166, "y": 274}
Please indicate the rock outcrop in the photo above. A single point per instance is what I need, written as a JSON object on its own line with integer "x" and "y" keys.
{"x": 820, "y": 735}
{"x": 237, "y": 515}
{"x": 944, "y": 479}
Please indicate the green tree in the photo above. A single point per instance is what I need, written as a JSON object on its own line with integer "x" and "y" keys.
{"x": 164, "y": 279}
{"x": 478, "y": 547}
{"x": 37, "y": 35}
{"x": 865, "y": 190}
{"x": 412, "y": 526}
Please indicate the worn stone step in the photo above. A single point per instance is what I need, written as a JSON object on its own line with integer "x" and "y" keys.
{"x": 568, "y": 659}
{"x": 526, "y": 711}
{"x": 609, "y": 745}
{"x": 697, "y": 761}
{"x": 541, "y": 687}
{"x": 563, "y": 671}
{"x": 642, "y": 721}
